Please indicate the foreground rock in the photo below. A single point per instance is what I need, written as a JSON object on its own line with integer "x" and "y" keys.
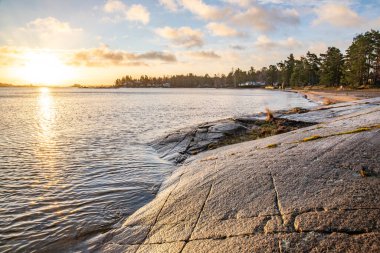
{"x": 315, "y": 189}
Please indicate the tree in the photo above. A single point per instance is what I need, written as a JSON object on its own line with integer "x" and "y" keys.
{"x": 272, "y": 75}
{"x": 331, "y": 67}
{"x": 289, "y": 66}
{"x": 299, "y": 76}
{"x": 362, "y": 59}
{"x": 118, "y": 83}
{"x": 252, "y": 74}
{"x": 313, "y": 66}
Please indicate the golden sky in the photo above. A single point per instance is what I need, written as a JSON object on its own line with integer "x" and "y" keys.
{"x": 94, "y": 42}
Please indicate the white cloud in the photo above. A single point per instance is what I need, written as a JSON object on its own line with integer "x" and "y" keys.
{"x": 47, "y": 32}
{"x": 172, "y": 5}
{"x": 318, "y": 47}
{"x": 183, "y": 36}
{"x": 112, "y": 6}
{"x": 121, "y": 11}
{"x": 50, "y": 24}
{"x": 265, "y": 42}
{"x": 139, "y": 13}
{"x": 222, "y": 30}
{"x": 204, "y": 11}
{"x": 337, "y": 15}
{"x": 266, "y": 19}
{"x": 290, "y": 43}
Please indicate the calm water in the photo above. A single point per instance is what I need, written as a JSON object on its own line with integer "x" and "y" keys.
{"x": 73, "y": 162}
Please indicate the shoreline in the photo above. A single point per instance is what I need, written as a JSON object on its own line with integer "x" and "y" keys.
{"x": 328, "y": 96}
{"x": 165, "y": 224}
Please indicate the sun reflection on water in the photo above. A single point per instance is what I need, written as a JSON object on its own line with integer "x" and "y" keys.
{"x": 46, "y": 152}
{"x": 46, "y": 110}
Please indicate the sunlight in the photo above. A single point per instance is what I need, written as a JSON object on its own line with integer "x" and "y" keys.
{"x": 46, "y": 114}
{"x": 44, "y": 68}
{"x": 46, "y": 110}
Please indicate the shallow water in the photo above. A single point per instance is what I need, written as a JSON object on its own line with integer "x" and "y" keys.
{"x": 73, "y": 162}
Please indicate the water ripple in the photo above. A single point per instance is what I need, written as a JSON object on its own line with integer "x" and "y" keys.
{"x": 74, "y": 162}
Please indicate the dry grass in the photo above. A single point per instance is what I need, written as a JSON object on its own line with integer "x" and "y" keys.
{"x": 363, "y": 172}
{"x": 270, "y": 116}
{"x": 274, "y": 145}
{"x": 327, "y": 101}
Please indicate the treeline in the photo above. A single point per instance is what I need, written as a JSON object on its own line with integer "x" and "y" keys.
{"x": 358, "y": 67}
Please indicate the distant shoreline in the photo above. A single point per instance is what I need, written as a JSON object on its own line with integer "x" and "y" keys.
{"x": 320, "y": 95}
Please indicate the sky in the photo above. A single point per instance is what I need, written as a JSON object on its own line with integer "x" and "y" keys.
{"x": 93, "y": 42}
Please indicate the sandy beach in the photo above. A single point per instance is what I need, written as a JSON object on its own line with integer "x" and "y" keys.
{"x": 329, "y": 96}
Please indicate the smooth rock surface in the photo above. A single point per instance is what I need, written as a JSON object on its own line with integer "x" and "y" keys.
{"x": 298, "y": 196}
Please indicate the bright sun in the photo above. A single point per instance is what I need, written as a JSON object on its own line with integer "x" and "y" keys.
{"x": 44, "y": 68}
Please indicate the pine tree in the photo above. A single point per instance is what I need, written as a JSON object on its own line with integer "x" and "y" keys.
{"x": 331, "y": 67}
{"x": 313, "y": 66}
{"x": 362, "y": 59}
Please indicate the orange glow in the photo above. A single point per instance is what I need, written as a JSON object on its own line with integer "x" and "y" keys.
{"x": 44, "y": 68}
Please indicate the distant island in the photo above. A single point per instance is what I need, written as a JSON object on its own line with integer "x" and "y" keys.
{"x": 359, "y": 67}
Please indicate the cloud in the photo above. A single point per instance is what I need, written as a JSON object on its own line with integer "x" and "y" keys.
{"x": 46, "y": 32}
{"x": 222, "y": 30}
{"x": 266, "y": 19}
{"x": 157, "y": 56}
{"x": 171, "y": 5}
{"x": 266, "y": 43}
{"x": 204, "y": 11}
{"x": 302, "y": 3}
{"x": 337, "y": 15}
{"x": 137, "y": 12}
{"x": 121, "y": 11}
{"x": 103, "y": 56}
{"x": 112, "y": 6}
{"x": 241, "y": 3}
{"x": 318, "y": 47}
{"x": 237, "y": 47}
{"x": 10, "y": 55}
{"x": 183, "y": 36}
{"x": 205, "y": 54}
{"x": 50, "y": 25}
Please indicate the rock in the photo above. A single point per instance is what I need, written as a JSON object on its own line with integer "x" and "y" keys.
{"x": 231, "y": 127}
{"x": 295, "y": 197}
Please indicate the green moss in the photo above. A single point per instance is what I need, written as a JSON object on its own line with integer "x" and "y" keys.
{"x": 312, "y": 138}
{"x": 274, "y": 145}
{"x": 357, "y": 130}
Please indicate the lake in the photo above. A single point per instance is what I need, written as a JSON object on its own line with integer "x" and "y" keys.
{"x": 74, "y": 162}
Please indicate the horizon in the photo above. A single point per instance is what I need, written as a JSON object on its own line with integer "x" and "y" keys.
{"x": 54, "y": 43}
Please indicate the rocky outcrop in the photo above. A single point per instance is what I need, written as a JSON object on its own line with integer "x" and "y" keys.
{"x": 315, "y": 189}
{"x": 180, "y": 145}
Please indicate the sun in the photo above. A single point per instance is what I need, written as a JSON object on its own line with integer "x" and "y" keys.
{"x": 44, "y": 68}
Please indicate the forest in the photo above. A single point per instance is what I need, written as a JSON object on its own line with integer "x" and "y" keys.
{"x": 358, "y": 67}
